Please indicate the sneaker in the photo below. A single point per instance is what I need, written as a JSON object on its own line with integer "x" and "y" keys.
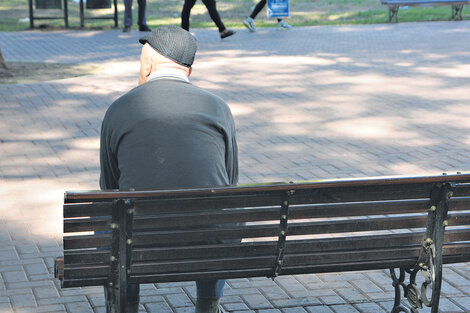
{"x": 227, "y": 33}
{"x": 250, "y": 24}
{"x": 283, "y": 26}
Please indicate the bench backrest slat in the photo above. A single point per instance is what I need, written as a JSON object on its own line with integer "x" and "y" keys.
{"x": 265, "y": 248}
{"x": 142, "y": 221}
{"x": 97, "y": 195}
{"x": 87, "y": 241}
{"x": 89, "y": 209}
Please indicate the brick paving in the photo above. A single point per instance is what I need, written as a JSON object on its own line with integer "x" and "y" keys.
{"x": 310, "y": 103}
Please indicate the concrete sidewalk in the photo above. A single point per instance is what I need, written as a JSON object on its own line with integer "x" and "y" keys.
{"x": 314, "y": 102}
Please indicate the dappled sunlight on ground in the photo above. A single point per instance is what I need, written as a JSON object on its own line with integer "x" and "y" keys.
{"x": 404, "y": 168}
{"x": 40, "y": 206}
{"x": 241, "y": 109}
{"x": 324, "y": 105}
{"x": 458, "y": 71}
{"x": 376, "y": 128}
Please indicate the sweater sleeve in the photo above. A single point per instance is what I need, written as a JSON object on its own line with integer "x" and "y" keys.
{"x": 232, "y": 153}
{"x": 109, "y": 170}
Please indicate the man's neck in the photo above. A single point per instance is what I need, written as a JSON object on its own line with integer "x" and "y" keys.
{"x": 168, "y": 73}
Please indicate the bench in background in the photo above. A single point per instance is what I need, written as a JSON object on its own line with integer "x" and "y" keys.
{"x": 394, "y": 6}
{"x": 405, "y": 224}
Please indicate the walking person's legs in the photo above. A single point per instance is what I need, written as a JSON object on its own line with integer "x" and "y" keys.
{"x": 187, "y": 6}
{"x": 212, "y": 9}
{"x": 249, "y": 22}
{"x": 127, "y": 15}
{"x": 257, "y": 9}
{"x": 142, "y": 21}
{"x": 282, "y": 25}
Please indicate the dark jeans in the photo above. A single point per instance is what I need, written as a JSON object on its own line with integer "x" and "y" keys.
{"x": 210, "y": 5}
{"x": 133, "y": 292}
{"x": 128, "y": 13}
{"x": 206, "y": 289}
{"x": 258, "y": 8}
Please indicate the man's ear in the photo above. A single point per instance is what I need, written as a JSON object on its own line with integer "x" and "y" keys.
{"x": 148, "y": 67}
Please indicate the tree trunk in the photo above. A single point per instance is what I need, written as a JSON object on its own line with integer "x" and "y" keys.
{"x": 3, "y": 65}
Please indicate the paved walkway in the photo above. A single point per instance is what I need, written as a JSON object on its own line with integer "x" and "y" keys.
{"x": 316, "y": 102}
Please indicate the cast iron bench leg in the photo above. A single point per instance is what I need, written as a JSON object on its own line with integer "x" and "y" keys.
{"x": 430, "y": 260}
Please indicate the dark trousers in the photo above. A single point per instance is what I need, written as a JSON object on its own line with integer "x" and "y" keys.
{"x": 133, "y": 293}
{"x": 258, "y": 8}
{"x": 128, "y": 13}
{"x": 210, "y": 5}
{"x": 206, "y": 289}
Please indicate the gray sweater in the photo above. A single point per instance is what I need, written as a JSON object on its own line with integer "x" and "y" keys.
{"x": 168, "y": 133}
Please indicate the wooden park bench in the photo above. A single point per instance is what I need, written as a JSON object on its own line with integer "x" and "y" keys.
{"x": 406, "y": 224}
{"x": 394, "y": 6}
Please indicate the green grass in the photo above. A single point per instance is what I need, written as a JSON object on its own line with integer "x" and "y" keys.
{"x": 167, "y": 12}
